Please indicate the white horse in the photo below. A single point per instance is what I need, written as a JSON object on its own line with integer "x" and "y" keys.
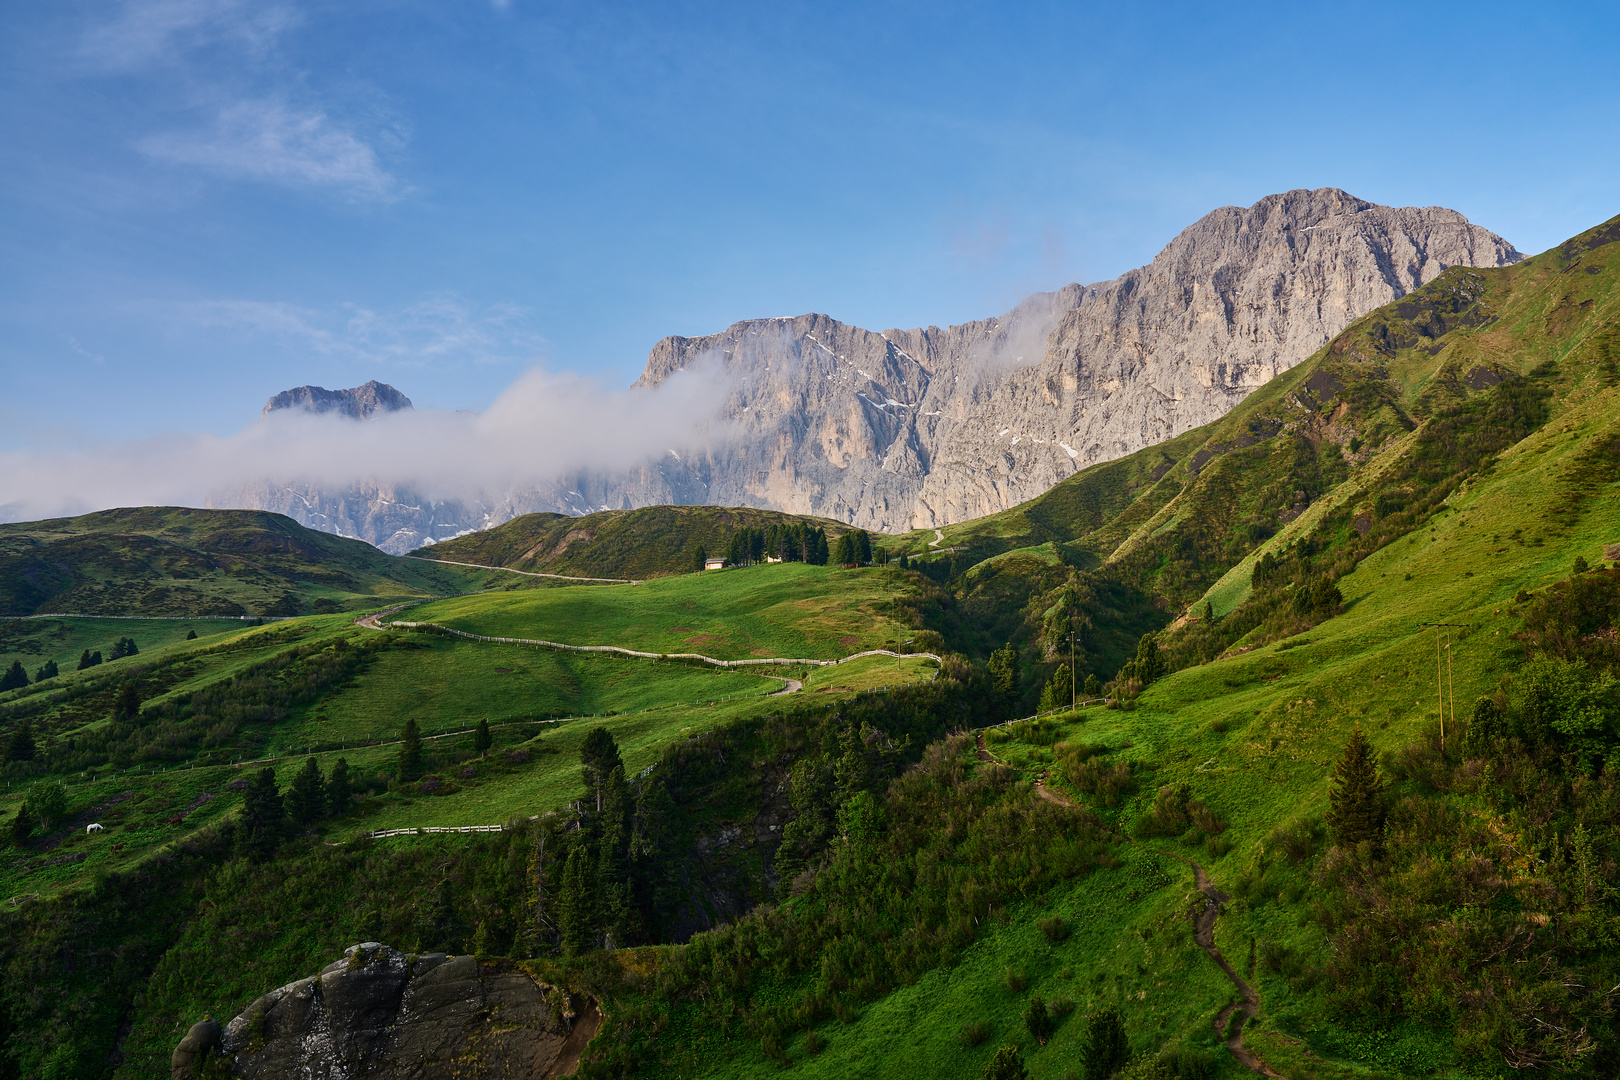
{"x": 93, "y": 827}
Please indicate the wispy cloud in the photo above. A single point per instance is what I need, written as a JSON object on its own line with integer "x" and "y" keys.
{"x": 250, "y": 115}
{"x": 148, "y": 32}
{"x": 543, "y": 427}
{"x": 435, "y": 330}
{"x": 273, "y": 142}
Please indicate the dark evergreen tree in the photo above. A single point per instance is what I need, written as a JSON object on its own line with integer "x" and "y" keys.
{"x": 264, "y": 815}
{"x": 843, "y": 550}
{"x": 697, "y": 556}
{"x": 737, "y": 548}
{"x": 191, "y": 635}
{"x": 619, "y": 920}
{"x": 127, "y": 705}
{"x": 756, "y": 545}
{"x": 88, "y": 659}
{"x": 124, "y": 646}
{"x": 16, "y": 676}
{"x": 306, "y": 798}
{"x": 21, "y": 747}
{"x": 410, "y": 752}
{"x": 1093, "y": 687}
{"x": 576, "y": 902}
{"x": 599, "y": 756}
{"x": 339, "y": 789}
{"x": 1106, "y": 1048}
{"x": 1039, "y": 1020}
{"x": 1356, "y": 798}
{"x": 22, "y": 826}
{"x": 47, "y": 670}
{"x": 816, "y": 547}
{"x": 1058, "y": 691}
{"x": 1004, "y": 673}
{"x": 1006, "y": 1064}
{"x": 482, "y": 740}
{"x": 863, "y": 546}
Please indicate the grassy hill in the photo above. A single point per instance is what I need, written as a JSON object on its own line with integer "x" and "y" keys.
{"x": 174, "y": 561}
{"x": 643, "y": 543}
{"x": 781, "y": 610}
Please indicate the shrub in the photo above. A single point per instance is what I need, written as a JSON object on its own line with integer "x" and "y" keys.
{"x": 1038, "y": 1020}
{"x": 1016, "y": 980}
{"x": 1005, "y": 1065}
{"x": 1054, "y": 929}
{"x": 973, "y": 1033}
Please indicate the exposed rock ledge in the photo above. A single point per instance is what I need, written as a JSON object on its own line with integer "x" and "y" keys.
{"x": 380, "y": 1014}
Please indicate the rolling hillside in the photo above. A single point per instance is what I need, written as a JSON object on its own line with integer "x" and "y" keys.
{"x": 175, "y": 561}
{"x": 649, "y": 542}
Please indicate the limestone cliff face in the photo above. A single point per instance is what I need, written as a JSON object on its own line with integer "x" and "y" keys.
{"x": 380, "y": 1014}
{"x": 904, "y": 429}
{"x": 920, "y": 428}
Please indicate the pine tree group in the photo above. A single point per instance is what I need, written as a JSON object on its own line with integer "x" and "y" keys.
{"x": 1356, "y": 800}
{"x": 1107, "y": 1048}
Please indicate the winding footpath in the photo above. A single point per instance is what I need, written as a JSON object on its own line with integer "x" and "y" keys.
{"x": 1203, "y": 937}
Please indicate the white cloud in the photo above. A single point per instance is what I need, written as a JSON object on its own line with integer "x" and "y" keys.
{"x": 434, "y": 330}
{"x": 542, "y": 427}
{"x": 273, "y": 142}
{"x": 149, "y": 32}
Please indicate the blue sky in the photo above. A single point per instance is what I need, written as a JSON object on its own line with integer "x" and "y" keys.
{"x": 206, "y": 201}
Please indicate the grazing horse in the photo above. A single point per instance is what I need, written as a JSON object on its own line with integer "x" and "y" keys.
{"x": 93, "y": 827}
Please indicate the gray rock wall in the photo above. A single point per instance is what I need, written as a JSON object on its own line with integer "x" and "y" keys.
{"x": 381, "y": 1014}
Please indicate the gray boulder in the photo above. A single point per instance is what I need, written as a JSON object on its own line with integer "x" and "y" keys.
{"x": 379, "y": 1013}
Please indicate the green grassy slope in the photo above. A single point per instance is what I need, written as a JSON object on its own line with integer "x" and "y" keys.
{"x": 642, "y": 543}
{"x": 174, "y": 561}
{"x": 786, "y": 609}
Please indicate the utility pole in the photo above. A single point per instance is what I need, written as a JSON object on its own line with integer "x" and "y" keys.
{"x": 1443, "y": 670}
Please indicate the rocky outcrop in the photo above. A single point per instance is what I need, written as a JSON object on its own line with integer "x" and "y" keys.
{"x": 381, "y": 1014}
{"x": 918, "y": 428}
{"x": 359, "y": 402}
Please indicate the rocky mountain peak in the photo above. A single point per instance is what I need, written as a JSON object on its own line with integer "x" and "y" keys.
{"x": 358, "y": 402}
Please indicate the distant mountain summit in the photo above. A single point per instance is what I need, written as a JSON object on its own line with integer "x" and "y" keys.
{"x": 899, "y": 429}
{"x": 359, "y": 402}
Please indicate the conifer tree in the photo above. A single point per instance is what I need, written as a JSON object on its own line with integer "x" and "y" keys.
{"x": 482, "y": 740}
{"x": 618, "y": 911}
{"x": 1355, "y": 801}
{"x": 863, "y": 546}
{"x": 339, "y": 790}
{"x": 1106, "y": 1048}
{"x": 410, "y": 752}
{"x": 191, "y": 635}
{"x": 576, "y": 903}
{"x": 127, "y": 705}
{"x": 22, "y": 826}
{"x": 843, "y": 551}
{"x": 697, "y": 557}
{"x": 1058, "y": 691}
{"x": 21, "y": 747}
{"x": 47, "y": 670}
{"x": 306, "y": 798}
{"x": 1093, "y": 687}
{"x": 16, "y": 676}
{"x": 599, "y": 756}
{"x": 264, "y": 815}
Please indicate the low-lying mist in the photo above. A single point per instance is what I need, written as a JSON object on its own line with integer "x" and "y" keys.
{"x": 542, "y": 426}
